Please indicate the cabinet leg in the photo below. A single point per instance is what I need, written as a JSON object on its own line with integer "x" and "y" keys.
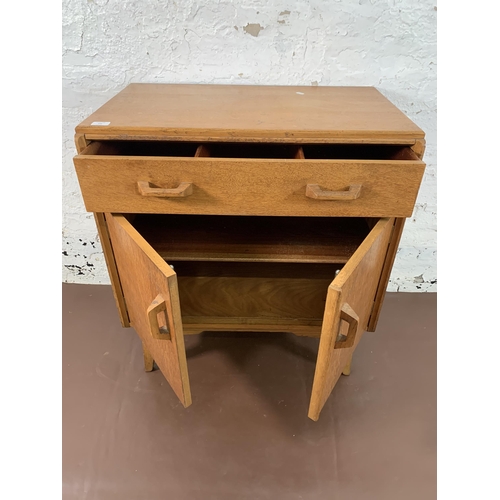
{"x": 347, "y": 368}
{"x": 148, "y": 359}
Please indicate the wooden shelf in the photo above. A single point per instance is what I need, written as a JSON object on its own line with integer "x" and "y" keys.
{"x": 252, "y": 239}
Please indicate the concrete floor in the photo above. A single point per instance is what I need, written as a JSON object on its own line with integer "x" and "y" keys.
{"x": 247, "y": 435}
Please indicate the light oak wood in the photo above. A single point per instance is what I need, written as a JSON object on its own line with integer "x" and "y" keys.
{"x": 229, "y": 186}
{"x": 349, "y": 315}
{"x": 148, "y": 359}
{"x": 183, "y": 190}
{"x": 299, "y": 154}
{"x": 355, "y": 285}
{"x": 144, "y": 275}
{"x": 315, "y": 192}
{"x": 347, "y": 368}
{"x": 202, "y": 150}
{"x": 80, "y": 142}
{"x": 303, "y": 157}
{"x": 392, "y": 249}
{"x": 102, "y": 229}
{"x": 159, "y": 305}
{"x": 240, "y": 112}
{"x": 419, "y": 148}
{"x": 248, "y": 323}
{"x": 233, "y": 325}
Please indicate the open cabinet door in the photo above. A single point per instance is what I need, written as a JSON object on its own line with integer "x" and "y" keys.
{"x": 151, "y": 293}
{"x": 348, "y": 306}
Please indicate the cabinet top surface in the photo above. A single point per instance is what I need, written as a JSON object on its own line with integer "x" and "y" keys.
{"x": 245, "y": 112}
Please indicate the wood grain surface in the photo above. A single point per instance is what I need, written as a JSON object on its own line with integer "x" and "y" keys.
{"x": 241, "y": 112}
{"x": 288, "y": 299}
{"x": 229, "y": 186}
{"x": 355, "y": 285}
{"x": 190, "y": 152}
{"x": 143, "y": 276}
{"x": 386, "y": 273}
{"x": 107, "y": 249}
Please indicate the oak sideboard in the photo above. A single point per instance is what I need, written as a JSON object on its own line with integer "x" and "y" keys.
{"x": 249, "y": 208}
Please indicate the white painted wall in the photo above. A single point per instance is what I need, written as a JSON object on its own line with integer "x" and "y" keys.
{"x": 389, "y": 44}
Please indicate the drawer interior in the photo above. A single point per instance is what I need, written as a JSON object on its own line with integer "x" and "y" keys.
{"x": 234, "y": 270}
{"x": 357, "y": 152}
{"x": 141, "y": 148}
{"x": 191, "y": 149}
{"x": 251, "y": 150}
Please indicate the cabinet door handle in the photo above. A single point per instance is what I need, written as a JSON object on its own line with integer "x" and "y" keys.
{"x": 316, "y": 193}
{"x": 158, "y": 305}
{"x": 181, "y": 191}
{"x": 348, "y": 314}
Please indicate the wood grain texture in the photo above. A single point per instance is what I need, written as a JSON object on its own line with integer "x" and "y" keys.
{"x": 419, "y": 148}
{"x": 107, "y": 249}
{"x": 148, "y": 359}
{"x": 80, "y": 142}
{"x": 144, "y": 275}
{"x": 386, "y": 273}
{"x": 249, "y": 151}
{"x": 159, "y": 327}
{"x": 288, "y": 299}
{"x": 241, "y": 112}
{"x": 355, "y": 285}
{"x": 234, "y": 325}
{"x": 229, "y": 186}
{"x": 316, "y": 193}
{"x": 183, "y": 190}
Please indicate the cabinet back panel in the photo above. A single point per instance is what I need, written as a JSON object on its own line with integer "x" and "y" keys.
{"x": 255, "y": 298}
{"x": 248, "y": 238}
{"x": 250, "y": 292}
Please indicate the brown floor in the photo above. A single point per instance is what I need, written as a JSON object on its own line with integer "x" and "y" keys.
{"x": 247, "y": 435}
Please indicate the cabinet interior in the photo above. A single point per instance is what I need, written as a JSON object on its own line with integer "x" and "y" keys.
{"x": 252, "y": 269}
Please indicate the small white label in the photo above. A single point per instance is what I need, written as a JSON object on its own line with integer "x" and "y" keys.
{"x": 300, "y": 93}
{"x": 100, "y": 124}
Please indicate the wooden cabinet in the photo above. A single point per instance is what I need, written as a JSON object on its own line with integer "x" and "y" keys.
{"x": 247, "y": 208}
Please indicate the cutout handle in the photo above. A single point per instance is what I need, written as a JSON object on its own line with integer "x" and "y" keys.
{"x": 316, "y": 193}
{"x": 157, "y": 306}
{"x": 347, "y": 314}
{"x": 183, "y": 190}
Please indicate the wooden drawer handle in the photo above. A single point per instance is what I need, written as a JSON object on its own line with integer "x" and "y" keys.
{"x": 348, "y": 314}
{"x": 316, "y": 193}
{"x": 184, "y": 189}
{"x": 157, "y": 306}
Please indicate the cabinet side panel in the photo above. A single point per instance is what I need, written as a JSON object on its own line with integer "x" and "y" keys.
{"x": 386, "y": 273}
{"x": 107, "y": 249}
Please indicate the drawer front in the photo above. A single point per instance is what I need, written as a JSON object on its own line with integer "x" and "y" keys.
{"x": 216, "y": 186}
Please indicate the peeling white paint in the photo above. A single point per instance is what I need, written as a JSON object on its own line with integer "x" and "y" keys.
{"x": 387, "y": 44}
{"x": 253, "y": 29}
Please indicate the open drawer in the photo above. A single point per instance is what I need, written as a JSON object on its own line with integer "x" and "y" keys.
{"x": 249, "y": 179}
{"x": 177, "y": 280}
